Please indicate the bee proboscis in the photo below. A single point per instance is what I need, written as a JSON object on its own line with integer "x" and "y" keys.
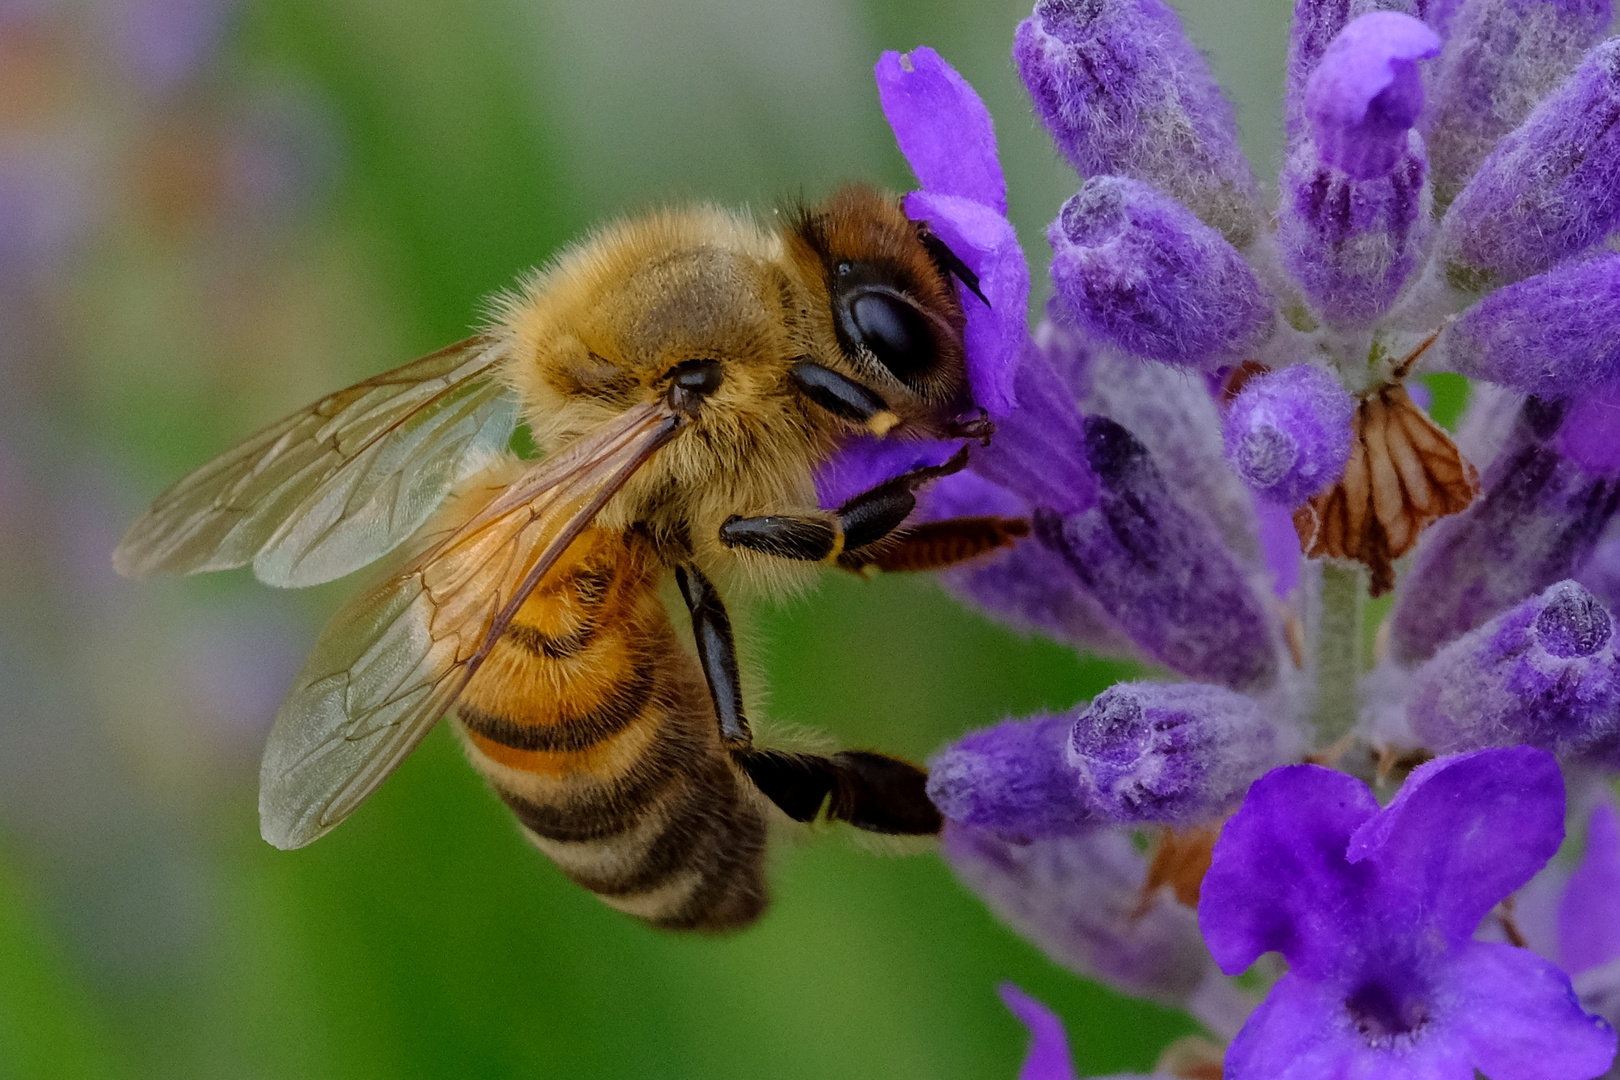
{"x": 683, "y": 373}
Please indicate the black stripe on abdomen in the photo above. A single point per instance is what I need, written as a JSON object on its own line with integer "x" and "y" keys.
{"x": 612, "y": 714}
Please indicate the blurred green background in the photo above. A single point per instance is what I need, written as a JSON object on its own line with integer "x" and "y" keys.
{"x": 212, "y": 212}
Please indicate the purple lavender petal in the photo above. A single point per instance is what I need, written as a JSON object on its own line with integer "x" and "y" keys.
{"x": 1048, "y": 1057}
{"x": 1279, "y": 542}
{"x": 1013, "y": 779}
{"x": 1539, "y": 518}
{"x": 1554, "y": 334}
{"x": 1550, "y": 189}
{"x": 1028, "y": 587}
{"x": 1174, "y": 754}
{"x": 1039, "y": 450}
{"x": 1590, "y": 436}
{"x": 1161, "y": 570}
{"x": 1518, "y": 1016}
{"x": 1288, "y": 433}
{"x": 1080, "y": 899}
{"x": 1300, "y": 1033}
{"x": 1544, "y": 673}
{"x": 1351, "y": 244}
{"x": 942, "y": 127}
{"x": 1502, "y": 57}
{"x": 865, "y": 462}
{"x": 1123, "y": 91}
{"x": 1365, "y": 93}
{"x": 1137, "y": 269}
{"x": 1315, "y": 25}
{"x": 1463, "y": 832}
{"x": 1589, "y": 914}
{"x": 1279, "y": 879}
{"x": 995, "y": 334}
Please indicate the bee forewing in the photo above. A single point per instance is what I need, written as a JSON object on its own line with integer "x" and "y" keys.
{"x": 338, "y": 484}
{"x": 394, "y": 660}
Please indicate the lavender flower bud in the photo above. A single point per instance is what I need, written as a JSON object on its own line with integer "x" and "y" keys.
{"x": 1554, "y": 334}
{"x": 1366, "y": 93}
{"x": 1351, "y": 244}
{"x": 1316, "y": 24}
{"x": 1122, "y": 90}
{"x": 1081, "y": 899}
{"x": 1503, "y": 56}
{"x": 1288, "y": 433}
{"x": 1175, "y": 754}
{"x": 1544, "y": 673}
{"x": 1027, "y": 587}
{"x": 1550, "y": 189}
{"x": 1138, "y": 270}
{"x": 1038, "y": 450}
{"x": 1539, "y": 518}
{"x": 1174, "y": 414}
{"x": 1011, "y": 778}
{"x": 1160, "y": 570}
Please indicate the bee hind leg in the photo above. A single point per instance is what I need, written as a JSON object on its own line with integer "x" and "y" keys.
{"x": 870, "y": 791}
{"x": 864, "y": 519}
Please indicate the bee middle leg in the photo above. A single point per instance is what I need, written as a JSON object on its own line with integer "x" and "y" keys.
{"x": 864, "y": 519}
{"x": 870, "y": 791}
{"x": 717, "y": 652}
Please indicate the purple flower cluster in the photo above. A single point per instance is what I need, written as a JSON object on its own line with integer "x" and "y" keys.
{"x": 1202, "y": 385}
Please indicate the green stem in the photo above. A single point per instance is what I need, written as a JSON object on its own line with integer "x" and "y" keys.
{"x": 1338, "y": 658}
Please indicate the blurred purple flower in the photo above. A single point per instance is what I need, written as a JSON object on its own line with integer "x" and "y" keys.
{"x": 1048, "y": 1057}
{"x": 165, "y": 43}
{"x": 1375, "y": 912}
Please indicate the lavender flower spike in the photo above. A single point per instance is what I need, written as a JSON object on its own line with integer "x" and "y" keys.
{"x": 1544, "y": 673}
{"x": 1136, "y": 269}
{"x": 1375, "y": 911}
{"x": 1555, "y": 334}
{"x": 1366, "y": 93}
{"x": 1503, "y": 57}
{"x": 1123, "y": 91}
{"x": 1160, "y": 570}
{"x": 1012, "y": 779}
{"x": 1173, "y": 754}
{"x": 1354, "y": 211}
{"x": 1549, "y": 190}
{"x": 1288, "y": 433}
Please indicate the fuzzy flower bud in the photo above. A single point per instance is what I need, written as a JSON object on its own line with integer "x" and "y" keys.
{"x": 1174, "y": 754}
{"x": 1123, "y": 91}
{"x": 1315, "y": 25}
{"x": 1082, "y": 900}
{"x": 1161, "y": 570}
{"x": 1138, "y": 270}
{"x": 1554, "y": 334}
{"x": 1503, "y": 56}
{"x": 1288, "y": 433}
{"x": 1544, "y": 674}
{"x": 1550, "y": 189}
{"x": 1013, "y": 779}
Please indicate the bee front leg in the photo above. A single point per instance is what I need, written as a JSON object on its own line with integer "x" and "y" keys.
{"x": 717, "y": 652}
{"x": 865, "y": 519}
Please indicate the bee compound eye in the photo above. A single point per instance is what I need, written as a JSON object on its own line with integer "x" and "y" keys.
{"x": 894, "y": 330}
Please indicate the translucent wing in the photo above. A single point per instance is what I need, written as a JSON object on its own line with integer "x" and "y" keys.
{"x": 336, "y": 485}
{"x": 394, "y": 660}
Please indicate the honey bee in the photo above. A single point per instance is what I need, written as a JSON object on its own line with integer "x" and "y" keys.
{"x": 683, "y": 373}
